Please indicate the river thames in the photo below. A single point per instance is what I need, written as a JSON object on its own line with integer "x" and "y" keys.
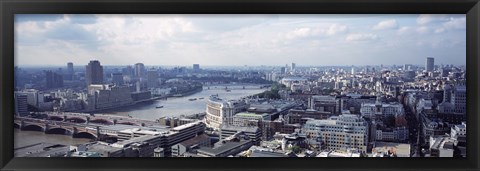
{"x": 172, "y": 107}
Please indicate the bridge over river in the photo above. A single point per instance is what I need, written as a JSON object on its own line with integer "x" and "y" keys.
{"x": 75, "y": 124}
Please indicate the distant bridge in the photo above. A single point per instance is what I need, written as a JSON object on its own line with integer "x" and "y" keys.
{"x": 235, "y": 87}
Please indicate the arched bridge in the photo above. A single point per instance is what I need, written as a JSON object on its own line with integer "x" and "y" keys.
{"x": 84, "y": 118}
{"x": 57, "y": 127}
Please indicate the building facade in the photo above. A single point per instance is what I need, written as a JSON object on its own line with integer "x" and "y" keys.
{"x": 341, "y": 132}
{"x": 94, "y": 73}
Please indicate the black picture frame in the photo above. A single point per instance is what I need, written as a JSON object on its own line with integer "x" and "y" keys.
{"x": 11, "y": 7}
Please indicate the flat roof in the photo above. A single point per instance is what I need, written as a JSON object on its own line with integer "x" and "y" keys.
{"x": 195, "y": 140}
{"x": 251, "y": 114}
{"x": 402, "y": 150}
{"x": 224, "y": 148}
{"x": 101, "y": 148}
{"x": 261, "y": 153}
{"x": 240, "y": 128}
{"x": 181, "y": 127}
{"x": 120, "y": 127}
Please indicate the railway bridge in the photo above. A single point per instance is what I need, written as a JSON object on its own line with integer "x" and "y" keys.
{"x": 76, "y": 130}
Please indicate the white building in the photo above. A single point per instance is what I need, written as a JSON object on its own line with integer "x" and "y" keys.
{"x": 459, "y": 131}
{"x": 220, "y": 112}
{"x": 341, "y": 132}
{"x": 242, "y": 119}
{"x": 371, "y": 110}
{"x": 289, "y": 81}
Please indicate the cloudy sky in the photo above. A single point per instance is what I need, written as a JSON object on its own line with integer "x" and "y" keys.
{"x": 239, "y": 39}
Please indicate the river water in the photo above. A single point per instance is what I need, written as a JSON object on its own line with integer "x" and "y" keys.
{"x": 172, "y": 107}
{"x": 176, "y": 106}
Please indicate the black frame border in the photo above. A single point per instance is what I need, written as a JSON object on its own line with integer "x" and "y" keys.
{"x": 10, "y": 7}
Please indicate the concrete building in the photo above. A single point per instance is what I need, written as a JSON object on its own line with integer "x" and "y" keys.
{"x": 341, "y": 132}
{"x": 117, "y": 79}
{"x": 21, "y": 104}
{"x": 459, "y": 131}
{"x": 252, "y": 132}
{"x": 179, "y": 149}
{"x": 103, "y": 96}
{"x": 94, "y": 73}
{"x": 243, "y": 118}
{"x": 325, "y": 104}
{"x": 441, "y": 146}
{"x": 152, "y": 79}
{"x": 396, "y": 134}
{"x": 354, "y": 103}
{"x": 376, "y": 110}
{"x": 429, "y": 64}
{"x": 220, "y": 112}
{"x": 139, "y": 70}
{"x": 296, "y": 116}
{"x": 53, "y": 80}
{"x": 289, "y": 81}
{"x": 389, "y": 149}
{"x": 459, "y": 98}
{"x": 196, "y": 67}
{"x": 229, "y": 148}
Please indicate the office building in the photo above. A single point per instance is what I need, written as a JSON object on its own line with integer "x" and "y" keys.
{"x": 104, "y": 96}
{"x": 380, "y": 110}
{"x": 139, "y": 70}
{"x": 220, "y": 112}
{"x": 429, "y": 64}
{"x": 243, "y": 119}
{"x": 293, "y": 67}
{"x": 70, "y": 71}
{"x": 196, "y": 67}
{"x": 283, "y": 70}
{"x": 117, "y": 78}
{"x": 229, "y": 148}
{"x": 70, "y": 68}
{"x": 21, "y": 104}
{"x": 53, "y": 80}
{"x": 459, "y": 98}
{"x": 324, "y": 104}
{"x": 94, "y": 73}
{"x": 441, "y": 146}
{"x": 341, "y": 132}
{"x": 152, "y": 79}
{"x": 252, "y": 132}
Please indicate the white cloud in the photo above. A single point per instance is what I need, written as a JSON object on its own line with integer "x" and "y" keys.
{"x": 138, "y": 29}
{"x": 404, "y": 30}
{"x": 360, "y": 37}
{"x": 439, "y": 30}
{"x": 423, "y": 30}
{"x": 455, "y": 23}
{"x": 330, "y": 30}
{"x": 183, "y": 39}
{"x": 299, "y": 33}
{"x": 336, "y": 28}
{"x": 387, "y": 24}
{"x": 423, "y": 19}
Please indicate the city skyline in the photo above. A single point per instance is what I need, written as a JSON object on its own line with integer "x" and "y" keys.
{"x": 252, "y": 40}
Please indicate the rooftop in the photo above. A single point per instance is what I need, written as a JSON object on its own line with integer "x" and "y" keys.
{"x": 195, "y": 140}
{"x": 262, "y": 153}
{"x": 229, "y": 145}
{"x": 402, "y": 150}
{"x": 240, "y": 128}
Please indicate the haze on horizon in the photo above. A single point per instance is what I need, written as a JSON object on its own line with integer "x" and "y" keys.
{"x": 229, "y": 40}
